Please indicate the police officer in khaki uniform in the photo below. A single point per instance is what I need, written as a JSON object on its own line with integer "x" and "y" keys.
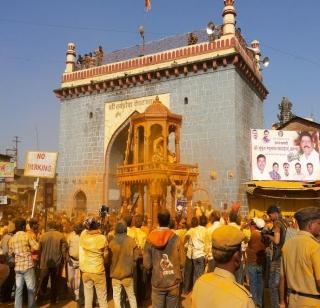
{"x": 300, "y": 268}
{"x": 219, "y": 288}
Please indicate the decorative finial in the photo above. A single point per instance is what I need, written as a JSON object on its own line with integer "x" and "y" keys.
{"x": 229, "y": 18}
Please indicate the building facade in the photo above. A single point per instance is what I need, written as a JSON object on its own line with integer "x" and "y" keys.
{"x": 215, "y": 84}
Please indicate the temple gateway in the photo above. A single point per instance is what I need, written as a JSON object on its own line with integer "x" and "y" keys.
{"x": 163, "y": 125}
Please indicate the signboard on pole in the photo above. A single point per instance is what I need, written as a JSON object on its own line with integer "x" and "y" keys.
{"x": 285, "y": 155}
{"x": 7, "y": 169}
{"x": 41, "y": 164}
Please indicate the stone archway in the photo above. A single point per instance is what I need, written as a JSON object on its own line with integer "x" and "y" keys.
{"x": 115, "y": 155}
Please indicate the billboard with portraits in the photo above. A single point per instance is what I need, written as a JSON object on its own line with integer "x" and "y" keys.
{"x": 285, "y": 155}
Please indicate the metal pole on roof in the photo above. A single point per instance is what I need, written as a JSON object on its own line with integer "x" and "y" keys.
{"x": 141, "y": 31}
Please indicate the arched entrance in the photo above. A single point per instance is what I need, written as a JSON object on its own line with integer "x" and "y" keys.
{"x": 115, "y": 155}
{"x": 80, "y": 199}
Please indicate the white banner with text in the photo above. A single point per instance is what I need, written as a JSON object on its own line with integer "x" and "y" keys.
{"x": 285, "y": 155}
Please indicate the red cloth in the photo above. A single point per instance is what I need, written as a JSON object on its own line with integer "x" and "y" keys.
{"x": 256, "y": 249}
{"x": 148, "y": 5}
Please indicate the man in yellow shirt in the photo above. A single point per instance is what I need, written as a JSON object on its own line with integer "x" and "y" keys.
{"x": 135, "y": 232}
{"x": 219, "y": 289}
{"x": 300, "y": 268}
{"x": 93, "y": 250}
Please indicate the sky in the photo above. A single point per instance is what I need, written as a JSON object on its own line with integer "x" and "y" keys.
{"x": 34, "y": 36}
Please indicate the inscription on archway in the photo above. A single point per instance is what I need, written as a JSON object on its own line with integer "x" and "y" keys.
{"x": 118, "y": 111}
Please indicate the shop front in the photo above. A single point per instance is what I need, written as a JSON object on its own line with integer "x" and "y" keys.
{"x": 289, "y": 196}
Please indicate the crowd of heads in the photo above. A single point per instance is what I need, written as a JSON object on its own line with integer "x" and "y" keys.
{"x": 60, "y": 221}
{"x": 90, "y": 59}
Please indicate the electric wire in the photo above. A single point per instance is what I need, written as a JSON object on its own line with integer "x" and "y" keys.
{"x": 83, "y": 28}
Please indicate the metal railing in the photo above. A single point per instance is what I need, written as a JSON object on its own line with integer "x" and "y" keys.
{"x": 244, "y": 45}
{"x": 159, "y": 166}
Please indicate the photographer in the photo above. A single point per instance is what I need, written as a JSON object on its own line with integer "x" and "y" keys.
{"x": 277, "y": 241}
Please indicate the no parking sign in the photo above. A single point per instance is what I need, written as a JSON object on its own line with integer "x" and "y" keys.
{"x": 41, "y": 164}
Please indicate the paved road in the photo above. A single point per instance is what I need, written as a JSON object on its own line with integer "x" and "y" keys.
{"x": 186, "y": 303}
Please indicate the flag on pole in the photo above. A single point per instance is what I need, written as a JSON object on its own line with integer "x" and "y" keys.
{"x": 148, "y": 5}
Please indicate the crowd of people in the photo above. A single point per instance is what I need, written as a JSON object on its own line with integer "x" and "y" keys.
{"x": 90, "y": 59}
{"x": 222, "y": 259}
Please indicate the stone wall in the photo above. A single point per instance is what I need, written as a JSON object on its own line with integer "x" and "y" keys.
{"x": 249, "y": 114}
{"x": 218, "y": 109}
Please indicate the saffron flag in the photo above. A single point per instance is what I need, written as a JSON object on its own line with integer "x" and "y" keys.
{"x": 148, "y": 5}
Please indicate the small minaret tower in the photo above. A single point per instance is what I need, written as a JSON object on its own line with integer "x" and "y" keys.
{"x": 229, "y": 18}
{"x": 71, "y": 58}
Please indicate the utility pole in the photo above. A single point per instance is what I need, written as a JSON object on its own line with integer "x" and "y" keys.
{"x": 16, "y": 141}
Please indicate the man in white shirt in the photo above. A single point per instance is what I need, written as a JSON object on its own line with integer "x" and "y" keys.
{"x": 259, "y": 173}
{"x": 310, "y": 176}
{"x": 214, "y": 223}
{"x": 286, "y": 173}
{"x": 298, "y": 176}
{"x": 310, "y": 155}
{"x": 198, "y": 245}
{"x": 73, "y": 260}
